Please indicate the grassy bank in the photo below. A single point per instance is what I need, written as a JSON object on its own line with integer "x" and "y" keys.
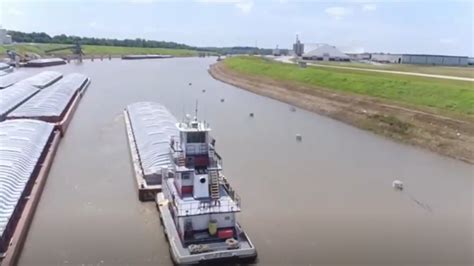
{"x": 94, "y": 50}
{"x": 467, "y": 72}
{"x": 449, "y": 96}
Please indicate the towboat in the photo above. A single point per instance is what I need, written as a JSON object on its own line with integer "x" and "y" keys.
{"x": 197, "y": 205}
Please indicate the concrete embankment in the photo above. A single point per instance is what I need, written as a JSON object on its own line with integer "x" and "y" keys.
{"x": 448, "y": 136}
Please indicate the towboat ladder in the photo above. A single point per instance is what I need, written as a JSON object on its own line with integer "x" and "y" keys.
{"x": 181, "y": 160}
{"x": 214, "y": 176}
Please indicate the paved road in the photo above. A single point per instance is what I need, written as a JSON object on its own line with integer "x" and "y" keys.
{"x": 287, "y": 60}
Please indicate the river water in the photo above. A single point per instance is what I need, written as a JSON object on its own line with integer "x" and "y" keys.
{"x": 325, "y": 200}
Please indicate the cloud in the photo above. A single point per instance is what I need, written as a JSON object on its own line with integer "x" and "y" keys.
{"x": 447, "y": 41}
{"x": 15, "y": 12}
{"x": 142, "y": 1}
{"x": 245, "y": 6}
{"x": 148, "y": 29}
{"x": 96, "y": 26}
{"x": 338, "y": 12}
{"x": 369, "y": 7}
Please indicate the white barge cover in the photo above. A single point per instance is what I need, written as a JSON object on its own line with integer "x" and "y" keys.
{"x": 22, "y": 143}
{"x": 153, "y": 126}
{"x": 10, "y": 79}
{"x": 44, "y": 79}
{"x": 51, "y": 101}
{"x": 13, "y": 96}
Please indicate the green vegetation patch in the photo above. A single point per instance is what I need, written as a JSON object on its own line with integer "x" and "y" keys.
{"x": 458, "y": 71}
{"x": 442, "y": 94}
{"x": 40, "y": 49}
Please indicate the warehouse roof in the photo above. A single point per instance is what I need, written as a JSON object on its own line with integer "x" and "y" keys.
{"x": 153, "y": 126}
{"x": 21, "y": 145}
{"x": 323, "y": 50}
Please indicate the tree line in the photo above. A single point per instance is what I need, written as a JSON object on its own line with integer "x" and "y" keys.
{"x": 42, "y": 37}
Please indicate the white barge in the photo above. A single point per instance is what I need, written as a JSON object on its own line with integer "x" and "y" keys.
{"x": 149, "y": 127}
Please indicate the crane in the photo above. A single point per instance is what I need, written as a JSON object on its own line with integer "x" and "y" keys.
{"x": 76, "y": 50}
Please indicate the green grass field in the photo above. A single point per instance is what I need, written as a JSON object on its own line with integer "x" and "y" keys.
{"x": 94, "y": 50}
{"x": 445, "y": 95}
{"x": 467, "y": 72}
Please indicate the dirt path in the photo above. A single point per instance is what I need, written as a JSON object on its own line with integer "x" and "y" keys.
{"x": 449, "y": 136}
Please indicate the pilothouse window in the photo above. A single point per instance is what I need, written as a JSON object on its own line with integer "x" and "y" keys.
{"x": 196, "y": 137}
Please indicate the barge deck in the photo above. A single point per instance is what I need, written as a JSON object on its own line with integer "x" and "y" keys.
{"x": 246, "y": 253}
{"x": 11, "y": 256}
{"x": 146, "y": 192}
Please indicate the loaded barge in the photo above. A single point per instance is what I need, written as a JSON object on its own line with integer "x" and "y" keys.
{"x": 146, "y": 56}
{"x": 56, "y": 103}
{"x": 148, "y": 144}
{"x": 27, "y": 149}
{"x": 44, "y": 62}
{"x": 197, "y": 205}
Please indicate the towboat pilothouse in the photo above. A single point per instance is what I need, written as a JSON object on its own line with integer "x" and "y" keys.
{"x": 197, "y": 204}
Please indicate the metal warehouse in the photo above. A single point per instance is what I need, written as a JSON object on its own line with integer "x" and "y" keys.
{"x": 23, "y": 147}
{"x": 442, "y": 60}
{"x": 150, "y": 126}
{"x": 13, "y": 96}
{"x": 420, "y": 59}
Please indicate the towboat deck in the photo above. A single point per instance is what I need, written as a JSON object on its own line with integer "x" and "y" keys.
{"x": 210, "y": 251}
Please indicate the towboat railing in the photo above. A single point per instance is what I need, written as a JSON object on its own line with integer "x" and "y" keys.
{"x": 230, "y": 191}
{"x": 184, "y": 208}
{"x": 200, "y": 207}
{"x": 215, "y": 160}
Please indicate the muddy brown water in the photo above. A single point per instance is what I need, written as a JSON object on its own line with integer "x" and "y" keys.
{"x": 325, "y": 200}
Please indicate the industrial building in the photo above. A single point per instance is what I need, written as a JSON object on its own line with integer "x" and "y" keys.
{"x": 298, "y": 47}
{"x": 325, "y": 52}
{"x": 420, "y": 59}
{"x": 4, "y": 37}
{"x": 276, "y": 51}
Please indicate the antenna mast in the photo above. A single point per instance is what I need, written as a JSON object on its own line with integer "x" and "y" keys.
{"x": 196, "y": 111}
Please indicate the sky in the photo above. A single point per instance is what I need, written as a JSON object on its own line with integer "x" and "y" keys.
{"x": 431, "y": 27}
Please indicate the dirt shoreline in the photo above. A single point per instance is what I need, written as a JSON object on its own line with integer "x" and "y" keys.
{"x": 449, "y": 136}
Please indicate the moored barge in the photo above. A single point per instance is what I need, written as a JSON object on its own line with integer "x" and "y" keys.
{"x": 56, "y": 103}
{"x": 27, "y": 148}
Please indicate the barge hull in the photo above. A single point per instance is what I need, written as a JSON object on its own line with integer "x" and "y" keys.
{"x": 145, "y": 192}
{"x": 13, "y": 252}
{"x": 178, "y": 253}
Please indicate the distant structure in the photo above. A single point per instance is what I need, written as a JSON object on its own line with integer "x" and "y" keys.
{"x": 4, "y": 37}
{"x": 298, "y": 47}
{"x": 276, "y": 51}
{"x": 361, "y": 56}
{"x": 325, "y": 52}
{"x": 420, "y": 59}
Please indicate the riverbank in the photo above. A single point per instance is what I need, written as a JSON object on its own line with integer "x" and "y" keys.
{"x": 449, "y": 133}
{"x": 92, "y": 50}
